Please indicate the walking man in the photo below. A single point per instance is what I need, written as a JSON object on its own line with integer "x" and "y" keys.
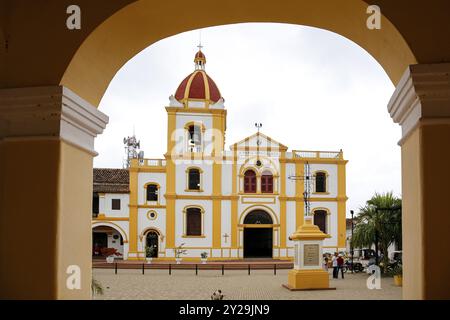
{"x": 340, "y": 262}
{"x": 335, "y": 265}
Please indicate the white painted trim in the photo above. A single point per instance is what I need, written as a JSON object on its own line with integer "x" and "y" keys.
{"x": 52, "y": 112}
{"x": 422, "y": 96}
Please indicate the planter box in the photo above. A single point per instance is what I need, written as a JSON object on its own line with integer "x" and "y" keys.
{"x": 204, "y": 260}
{"x": 178, "y": 260}
{"x": 149, "y": 260}
{"x": 110, "y": 259}
{"x": 398, "y": 281}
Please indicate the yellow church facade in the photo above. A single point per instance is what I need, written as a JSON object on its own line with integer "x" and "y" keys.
{"x": 239, "y": 203}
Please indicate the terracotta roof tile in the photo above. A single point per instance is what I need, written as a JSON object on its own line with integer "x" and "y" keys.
{"x": 111, "y": 180}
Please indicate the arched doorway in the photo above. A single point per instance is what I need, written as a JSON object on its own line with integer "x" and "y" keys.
{"x": 258, "y": 234}
{"x": 105, "y": 237}
{"x": 318, "y": 13}
{"x": 152, "y": 241}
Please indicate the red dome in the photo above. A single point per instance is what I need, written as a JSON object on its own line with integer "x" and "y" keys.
{"x": 200, "y": 55}
{"x": 198, "y": 85}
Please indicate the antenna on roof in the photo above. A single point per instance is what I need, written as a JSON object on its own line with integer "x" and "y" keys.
{"x": 132, "y": 146}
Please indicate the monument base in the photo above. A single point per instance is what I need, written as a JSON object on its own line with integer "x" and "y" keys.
{"x": 308, "y": 280}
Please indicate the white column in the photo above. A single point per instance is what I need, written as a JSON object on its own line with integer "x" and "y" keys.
{"x": 421, "y": 105}
{"x": 46, "y": 152}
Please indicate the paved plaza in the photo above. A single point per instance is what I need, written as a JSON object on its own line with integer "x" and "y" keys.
{"x": 235, "y": 284}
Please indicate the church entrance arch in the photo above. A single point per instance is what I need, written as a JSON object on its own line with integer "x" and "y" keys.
{"x": 258, "y": 234}
{"x": 151, "y": 241}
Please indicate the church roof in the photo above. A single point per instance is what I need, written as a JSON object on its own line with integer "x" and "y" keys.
{"x": 198, "y": 85}
{"x": 264, "y": 142}
{"x": 111, "y": 180}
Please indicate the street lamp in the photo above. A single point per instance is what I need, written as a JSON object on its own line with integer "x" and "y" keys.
{"x": 351, "y": 239}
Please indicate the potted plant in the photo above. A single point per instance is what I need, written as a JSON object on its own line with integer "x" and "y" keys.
{"x": 397, "y": 273}
{"x": 96, "y": 287}
{"x": 149, "y": 252}
{"x": 204, "y": 257}
{"x": 178, "y": 252}
{"x": 110, "y": 254}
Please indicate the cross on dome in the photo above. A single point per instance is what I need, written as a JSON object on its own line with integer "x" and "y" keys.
{"x": 200, "y": 59}
{"x": 198, "y": 86}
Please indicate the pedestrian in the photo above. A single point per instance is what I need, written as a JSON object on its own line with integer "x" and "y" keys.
{"x": 340, "y": 262}
{"x": 325, "y": 262}
{"x": 335, "y": 265}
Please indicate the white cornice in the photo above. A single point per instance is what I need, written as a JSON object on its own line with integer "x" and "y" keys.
{"x": 53, "y": 112}
{"x": 421, "y": 96}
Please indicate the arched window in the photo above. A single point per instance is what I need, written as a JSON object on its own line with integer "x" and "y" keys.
{"x": 193, "y": 222}
{"x": 267, "y": 182}
{"x": 194, "y": 179}
{"x": 152, "y": 192}
{"x": 250, "y": 181}
{"x": 321, "y": 182}
{"x": 320, "y": 220}
{"x": 194, "y": 138}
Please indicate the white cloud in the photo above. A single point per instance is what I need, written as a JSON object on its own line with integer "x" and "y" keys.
{"x": 312, "y": 90}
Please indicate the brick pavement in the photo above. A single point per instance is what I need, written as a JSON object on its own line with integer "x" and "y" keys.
{"x": 235, "y": 284}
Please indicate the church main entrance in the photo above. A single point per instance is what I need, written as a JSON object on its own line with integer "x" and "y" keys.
{"x": 258, "y": 235}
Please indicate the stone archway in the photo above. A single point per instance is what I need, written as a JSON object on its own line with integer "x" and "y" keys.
{"x": 116, "y": 41}
{"x": 420, "y": 104}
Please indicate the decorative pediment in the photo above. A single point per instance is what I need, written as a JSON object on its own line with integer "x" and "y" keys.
{"x": 259, "y": 141}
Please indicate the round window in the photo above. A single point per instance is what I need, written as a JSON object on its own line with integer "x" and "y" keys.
{"x": 258, "y": 163}
{"x": 115, "y": 237}
{"x": 152, "y": 215}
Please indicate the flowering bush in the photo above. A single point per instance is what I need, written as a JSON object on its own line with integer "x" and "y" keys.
{"x": 109, "y": 252}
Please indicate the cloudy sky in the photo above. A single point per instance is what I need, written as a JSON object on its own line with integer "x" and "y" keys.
{"x": 310, "y": 88}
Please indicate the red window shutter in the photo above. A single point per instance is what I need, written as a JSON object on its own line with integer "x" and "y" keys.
{"x": 267, "y": 183}
{"x": 270, "y": 185}
{"x": 193, "y": 222}
{"x": 250, "y": 181}
{"x": 246, "y": 184}
{"x": 253, "y": 184}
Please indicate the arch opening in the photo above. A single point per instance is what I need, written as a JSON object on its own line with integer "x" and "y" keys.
{"x": 106, "y": 240}
{"x": 258, "y": 241}
{"x": 116, "y": 41}
{"x": 151, "y": 244}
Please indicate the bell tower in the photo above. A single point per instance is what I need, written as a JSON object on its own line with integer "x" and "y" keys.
{"x": 196, "y": 114}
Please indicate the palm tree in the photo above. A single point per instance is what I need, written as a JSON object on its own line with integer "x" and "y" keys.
{"x": 379, "y": 223}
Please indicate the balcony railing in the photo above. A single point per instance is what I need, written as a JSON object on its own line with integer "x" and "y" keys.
{"x": 152, "y": 163}
{"x": 332, "y": 155}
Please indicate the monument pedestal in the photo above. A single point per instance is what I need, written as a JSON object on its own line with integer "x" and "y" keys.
{"x": 308, "y": 273}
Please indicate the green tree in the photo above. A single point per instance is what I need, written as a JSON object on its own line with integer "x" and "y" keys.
{"x": 379, "y": 218}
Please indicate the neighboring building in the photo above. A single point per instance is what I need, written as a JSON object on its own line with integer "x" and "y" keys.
{"x": 111, "y": 196}
{"x": 393, "y": 247}
{"x": 231, "y": 204}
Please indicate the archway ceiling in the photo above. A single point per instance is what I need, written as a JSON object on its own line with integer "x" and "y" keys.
{"x": 40, "y": 48}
